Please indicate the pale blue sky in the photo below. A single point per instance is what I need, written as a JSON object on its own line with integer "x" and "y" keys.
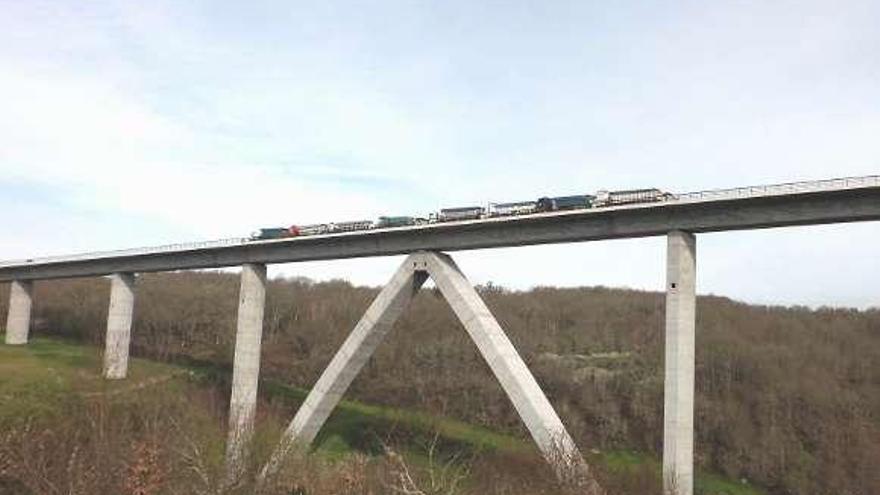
{"x": 138, "y": 123}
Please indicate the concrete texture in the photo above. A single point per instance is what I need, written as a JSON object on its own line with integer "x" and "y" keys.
{"x": 349, "y": 360}
{"x": 119, "y": 317}
{"x": 588, "y": 225}
{"x": 246, "y": 366}
{"x": 541, "y": 420}
{"x": 678, "y": 408}
{"x": 18, "y": 320}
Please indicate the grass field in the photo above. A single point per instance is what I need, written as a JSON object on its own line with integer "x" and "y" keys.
{"x": 36, "y": 377}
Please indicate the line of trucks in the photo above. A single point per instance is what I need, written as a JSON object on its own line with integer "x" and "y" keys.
{"x": 546, "y": 204}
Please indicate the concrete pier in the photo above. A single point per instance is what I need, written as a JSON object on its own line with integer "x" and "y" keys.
{"x": 246, "y": 366}
{"x": 119, "y": 318}
{"x": 678, "y": 410}
{"x": 18, "y": 320}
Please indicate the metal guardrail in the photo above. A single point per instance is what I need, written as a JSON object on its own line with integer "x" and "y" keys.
{"x": 168, "y": 248}
{"x": 844, "y": 183}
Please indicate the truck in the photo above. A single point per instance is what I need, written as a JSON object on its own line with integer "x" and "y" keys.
{"x": 631, "y": 196}
{"x": 516, "y": 208}
{"x": 577, "y": 202}
{"x": 460, "y": 213}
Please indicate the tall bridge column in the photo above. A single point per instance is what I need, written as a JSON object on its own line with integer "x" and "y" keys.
{"x": 119, "y": 316}
{"x": 246, "y": 367}
{"x": 678, "y": 410}
{"x": 18, "y": 320}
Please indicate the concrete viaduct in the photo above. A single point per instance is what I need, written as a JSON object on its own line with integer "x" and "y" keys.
{"x": 680, "y": 220}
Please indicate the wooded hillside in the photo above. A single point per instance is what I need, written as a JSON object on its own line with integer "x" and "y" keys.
{"x": 787, "y": 398}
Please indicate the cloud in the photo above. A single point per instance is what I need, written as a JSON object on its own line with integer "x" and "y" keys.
{"x": 109, "y": 152}
{"x": 159, "y": 122}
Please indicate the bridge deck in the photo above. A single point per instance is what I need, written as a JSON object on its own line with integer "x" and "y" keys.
{"x": 834, "y": 201}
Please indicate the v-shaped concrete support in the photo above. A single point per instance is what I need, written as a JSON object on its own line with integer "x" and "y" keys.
{"x": 530, "y": 402}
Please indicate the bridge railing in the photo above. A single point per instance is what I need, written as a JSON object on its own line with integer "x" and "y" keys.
{"x": 184, "y": 246}
{"x": 843, "y": 183}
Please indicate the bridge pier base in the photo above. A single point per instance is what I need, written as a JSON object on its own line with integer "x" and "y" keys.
{"x": 245, "y": 368}
{"x": 537, "y": 413}
{"x": 18, "y": 320}
{"x": 678, "y": 410}
{"x": 119, "y": 318}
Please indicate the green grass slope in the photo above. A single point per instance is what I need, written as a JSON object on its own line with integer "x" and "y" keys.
{"x": 35, "y": 377}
